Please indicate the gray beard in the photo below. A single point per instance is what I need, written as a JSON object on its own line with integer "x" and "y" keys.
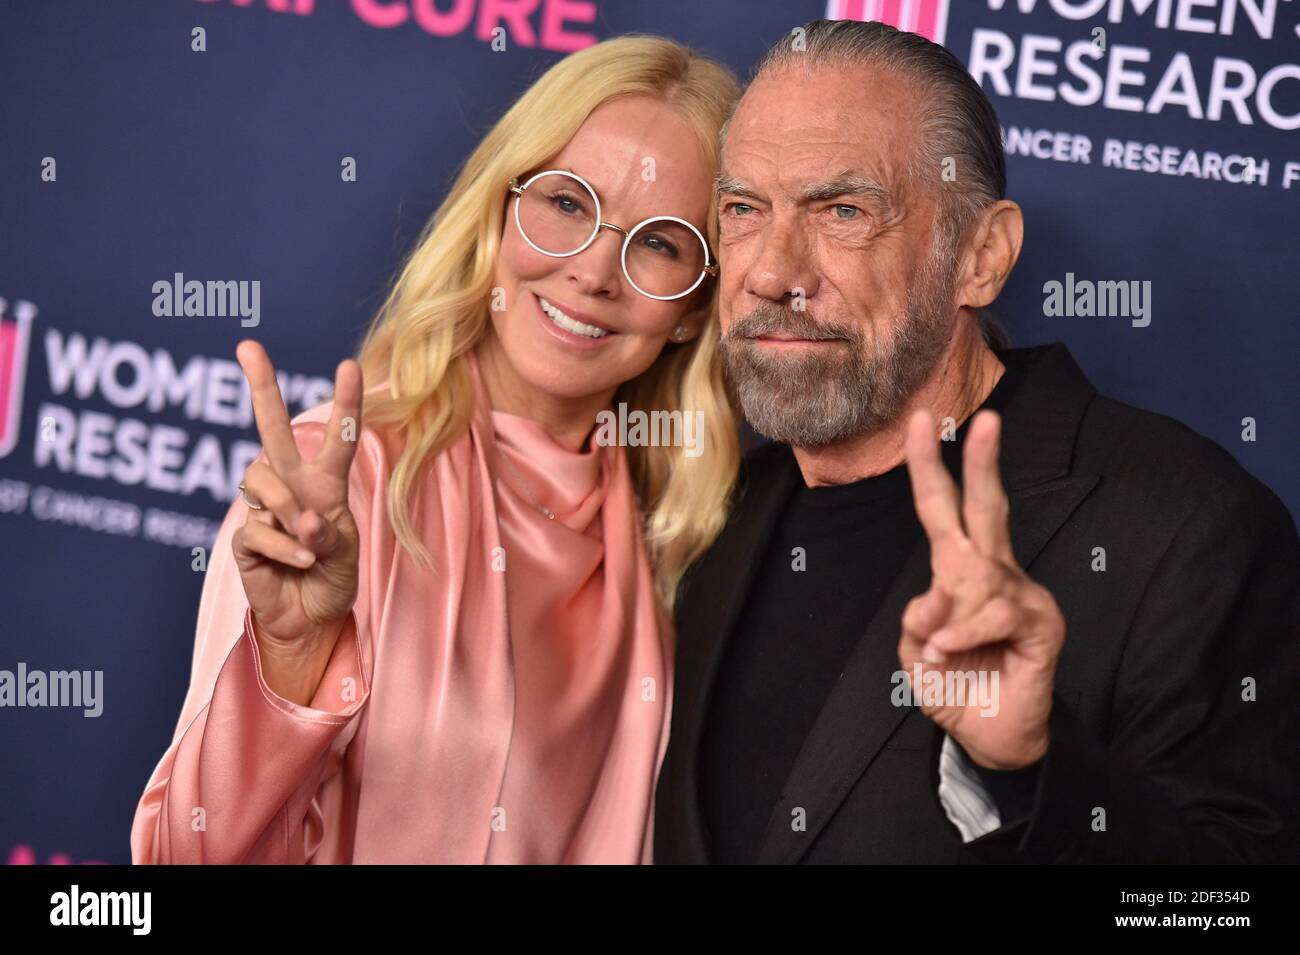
{"x": 829, "y": 394}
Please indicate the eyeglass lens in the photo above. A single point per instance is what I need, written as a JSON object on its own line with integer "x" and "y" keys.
{"x": 557, "y": 213}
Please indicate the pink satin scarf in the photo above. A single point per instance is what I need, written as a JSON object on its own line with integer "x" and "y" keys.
{"x": 528, "y": 725}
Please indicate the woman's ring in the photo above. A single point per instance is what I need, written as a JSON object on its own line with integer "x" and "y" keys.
{"x": 243, "y": 492}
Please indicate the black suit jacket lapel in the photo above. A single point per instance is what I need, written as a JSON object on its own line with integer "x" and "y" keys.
{"x": 711, "y": 607}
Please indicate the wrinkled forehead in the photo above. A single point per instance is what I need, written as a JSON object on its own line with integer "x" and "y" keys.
{"x": 798, "y": 125}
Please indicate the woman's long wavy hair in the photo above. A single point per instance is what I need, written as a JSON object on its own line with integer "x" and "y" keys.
{"x": 437, "y": 309}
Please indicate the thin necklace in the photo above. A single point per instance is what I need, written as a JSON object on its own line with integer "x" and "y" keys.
{"x": 528, "y": 495}
{"x": 501, "y": 457}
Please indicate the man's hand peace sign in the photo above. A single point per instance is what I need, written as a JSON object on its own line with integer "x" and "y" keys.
{"x": 981, "y": 612}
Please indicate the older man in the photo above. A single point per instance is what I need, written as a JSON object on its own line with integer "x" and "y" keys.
{"x": 1087, "y": 651}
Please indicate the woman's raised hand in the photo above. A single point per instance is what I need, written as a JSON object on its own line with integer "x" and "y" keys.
{"x": 298, "y": 555}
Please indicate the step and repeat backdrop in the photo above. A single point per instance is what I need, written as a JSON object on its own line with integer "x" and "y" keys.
{"x": 150, "y": 143}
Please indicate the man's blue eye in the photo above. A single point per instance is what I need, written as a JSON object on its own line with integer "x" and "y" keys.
{"x": 840, "y": 211}
{"x": 740, "y": 208}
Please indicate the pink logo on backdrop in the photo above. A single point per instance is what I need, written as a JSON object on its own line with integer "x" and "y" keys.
{"x": 929, "y": 18}
{"x": 15, "y": 332}
{"x": 26, "y": 855}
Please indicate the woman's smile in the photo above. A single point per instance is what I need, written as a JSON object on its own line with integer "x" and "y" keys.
{"x": 564, "y": 326}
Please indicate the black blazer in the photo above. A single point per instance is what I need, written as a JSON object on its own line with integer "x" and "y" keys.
{"x": 1151, "y": 736}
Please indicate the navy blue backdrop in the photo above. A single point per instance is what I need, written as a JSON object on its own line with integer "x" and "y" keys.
{"x": 1162, "y": 149}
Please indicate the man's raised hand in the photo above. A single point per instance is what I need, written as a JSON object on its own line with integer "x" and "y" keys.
{"x": 982, "y": 613}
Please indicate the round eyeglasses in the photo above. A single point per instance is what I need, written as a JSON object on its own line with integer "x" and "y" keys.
{"x": 558, "y": 214}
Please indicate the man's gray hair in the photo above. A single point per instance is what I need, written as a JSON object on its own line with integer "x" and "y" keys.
{"x": 959, "y": 127}
{"x": 958, "y": 121}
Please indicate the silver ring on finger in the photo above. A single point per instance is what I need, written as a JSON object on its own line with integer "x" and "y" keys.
{"x": 243, "y": 492}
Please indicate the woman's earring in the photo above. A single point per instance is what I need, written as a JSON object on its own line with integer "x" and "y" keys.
{"x": 679, "y": 334}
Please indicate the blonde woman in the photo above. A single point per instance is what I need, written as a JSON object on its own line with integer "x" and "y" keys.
{"x": 435, "y": 627}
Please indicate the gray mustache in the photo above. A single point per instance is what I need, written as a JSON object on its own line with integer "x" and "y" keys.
{"x": 764, "y": 321}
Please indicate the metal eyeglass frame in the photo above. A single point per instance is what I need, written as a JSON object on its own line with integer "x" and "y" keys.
{"x": 710, "y": 267}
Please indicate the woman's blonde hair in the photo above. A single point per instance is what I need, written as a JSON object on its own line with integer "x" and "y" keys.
{"x": 437, "y": 309}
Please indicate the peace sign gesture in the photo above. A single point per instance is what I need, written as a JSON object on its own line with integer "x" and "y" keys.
{"x": 298, "y": 553}
{"x": 982, "y": 612}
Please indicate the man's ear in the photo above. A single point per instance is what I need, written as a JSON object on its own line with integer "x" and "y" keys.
{"x": 991, "y": 253}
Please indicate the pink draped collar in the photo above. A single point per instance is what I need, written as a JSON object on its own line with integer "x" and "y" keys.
{"x": 529, "y": 724}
